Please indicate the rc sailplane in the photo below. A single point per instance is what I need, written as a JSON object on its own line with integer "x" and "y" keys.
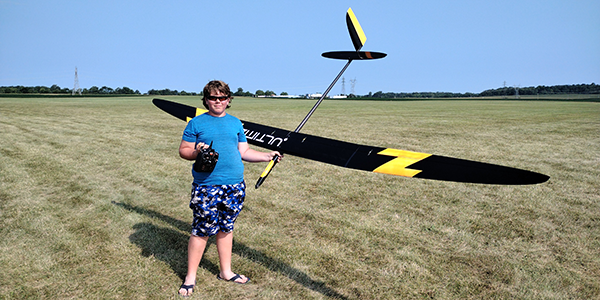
{"x": 363, "y": 157}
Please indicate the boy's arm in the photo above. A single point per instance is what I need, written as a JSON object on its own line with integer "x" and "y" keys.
{"x": 188, "y": 151}
{"x": 251, "y": 155}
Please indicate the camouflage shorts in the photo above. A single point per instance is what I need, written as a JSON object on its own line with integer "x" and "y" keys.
{"x": 216, "y": 207}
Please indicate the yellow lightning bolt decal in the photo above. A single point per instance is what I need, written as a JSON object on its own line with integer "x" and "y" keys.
{"x": 397, "y": 166}
{"x": 198, "y": 112}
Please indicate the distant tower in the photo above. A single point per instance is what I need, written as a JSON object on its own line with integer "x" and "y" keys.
{"x": 343, "y": 86}
{"x": 76, "y": 88}
{"x": 517, "y": 92}
{"x": 352, "y": 84}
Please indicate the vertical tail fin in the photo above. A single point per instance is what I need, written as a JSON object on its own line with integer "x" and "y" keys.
{"x": 356, "y": 33}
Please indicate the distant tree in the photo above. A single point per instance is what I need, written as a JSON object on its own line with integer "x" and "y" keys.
{"x": 25, "y": 90}
{"x": 94, "y": 90}
{"x": 283, "y": 94}
{"x": 162, "y": 92}
{"x": 123, "y": 91}
{"x": 55, "y": 89}
{"x": 259, "y": 93}
{"x": 106, "y": 90}
{"x": 239, "y": 92}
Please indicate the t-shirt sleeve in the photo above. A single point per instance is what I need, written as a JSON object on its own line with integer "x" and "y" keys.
{"x": 242, "y": 135}
{"x": 189, "y": 135}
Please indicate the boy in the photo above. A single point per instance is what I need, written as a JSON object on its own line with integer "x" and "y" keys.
{"x": 217, "y": 196}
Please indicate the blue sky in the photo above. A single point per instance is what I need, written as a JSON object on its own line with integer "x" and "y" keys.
{"x": 450, "y": 46}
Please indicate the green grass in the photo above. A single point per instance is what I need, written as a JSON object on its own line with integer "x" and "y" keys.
{"x": 93, "y": 204}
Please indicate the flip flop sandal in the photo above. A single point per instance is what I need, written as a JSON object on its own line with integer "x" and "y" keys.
{"x": 187, "y": 288}
{"x": 233, "y": 279}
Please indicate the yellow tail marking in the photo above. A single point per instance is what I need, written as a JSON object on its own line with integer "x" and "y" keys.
{"x": 199, "y": 111}
{"x": 268, "y": 169}
{"x": 398, "y": 165}
{"x": 357, "y": 27}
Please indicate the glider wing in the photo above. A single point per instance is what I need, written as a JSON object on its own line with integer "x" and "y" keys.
{"x": 370, "y": 158}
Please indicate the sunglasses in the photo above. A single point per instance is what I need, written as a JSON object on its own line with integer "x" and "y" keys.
{"x": 215, "y": 98}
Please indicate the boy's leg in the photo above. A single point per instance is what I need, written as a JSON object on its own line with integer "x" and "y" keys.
{"x": 196, "y": 247}
{"x": 224, "y": 248}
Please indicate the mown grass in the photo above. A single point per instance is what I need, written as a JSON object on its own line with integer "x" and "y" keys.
{"x": 93, "y": 204}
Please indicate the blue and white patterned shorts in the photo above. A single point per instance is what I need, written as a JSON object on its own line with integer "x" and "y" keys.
{"x": 216, "y": 207}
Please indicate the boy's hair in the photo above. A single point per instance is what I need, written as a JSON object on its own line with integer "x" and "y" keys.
{"x": 217, "y": 85}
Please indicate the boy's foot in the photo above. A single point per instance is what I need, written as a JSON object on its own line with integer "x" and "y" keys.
{"x": 186, "y": 290}
{"x": 236, "y": 278}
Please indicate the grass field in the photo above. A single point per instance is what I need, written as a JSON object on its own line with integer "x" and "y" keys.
{"x": 93, "y": 204}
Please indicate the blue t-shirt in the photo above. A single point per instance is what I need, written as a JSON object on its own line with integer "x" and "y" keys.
{"x": 225, "y": 133}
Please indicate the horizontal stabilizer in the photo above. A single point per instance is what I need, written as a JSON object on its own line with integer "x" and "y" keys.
{"x": 353, "y": 55}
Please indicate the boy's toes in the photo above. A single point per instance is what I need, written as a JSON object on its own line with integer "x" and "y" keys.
{"x": 186, "y": 290}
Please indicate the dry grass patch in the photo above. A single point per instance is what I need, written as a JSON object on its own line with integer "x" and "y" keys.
{"x": 93, "y": 203}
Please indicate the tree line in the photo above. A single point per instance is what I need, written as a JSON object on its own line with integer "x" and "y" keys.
{"x": 503, "y": 91}
{"x": 94, "y": 90}
{"x": 544, "y": 90}
{"x": 55, "y": 89}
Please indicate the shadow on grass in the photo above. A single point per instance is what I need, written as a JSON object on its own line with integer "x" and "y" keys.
{"x": 170, "y": 246}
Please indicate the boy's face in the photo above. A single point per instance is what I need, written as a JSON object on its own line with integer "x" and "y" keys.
{"x": 217, "y": 103}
